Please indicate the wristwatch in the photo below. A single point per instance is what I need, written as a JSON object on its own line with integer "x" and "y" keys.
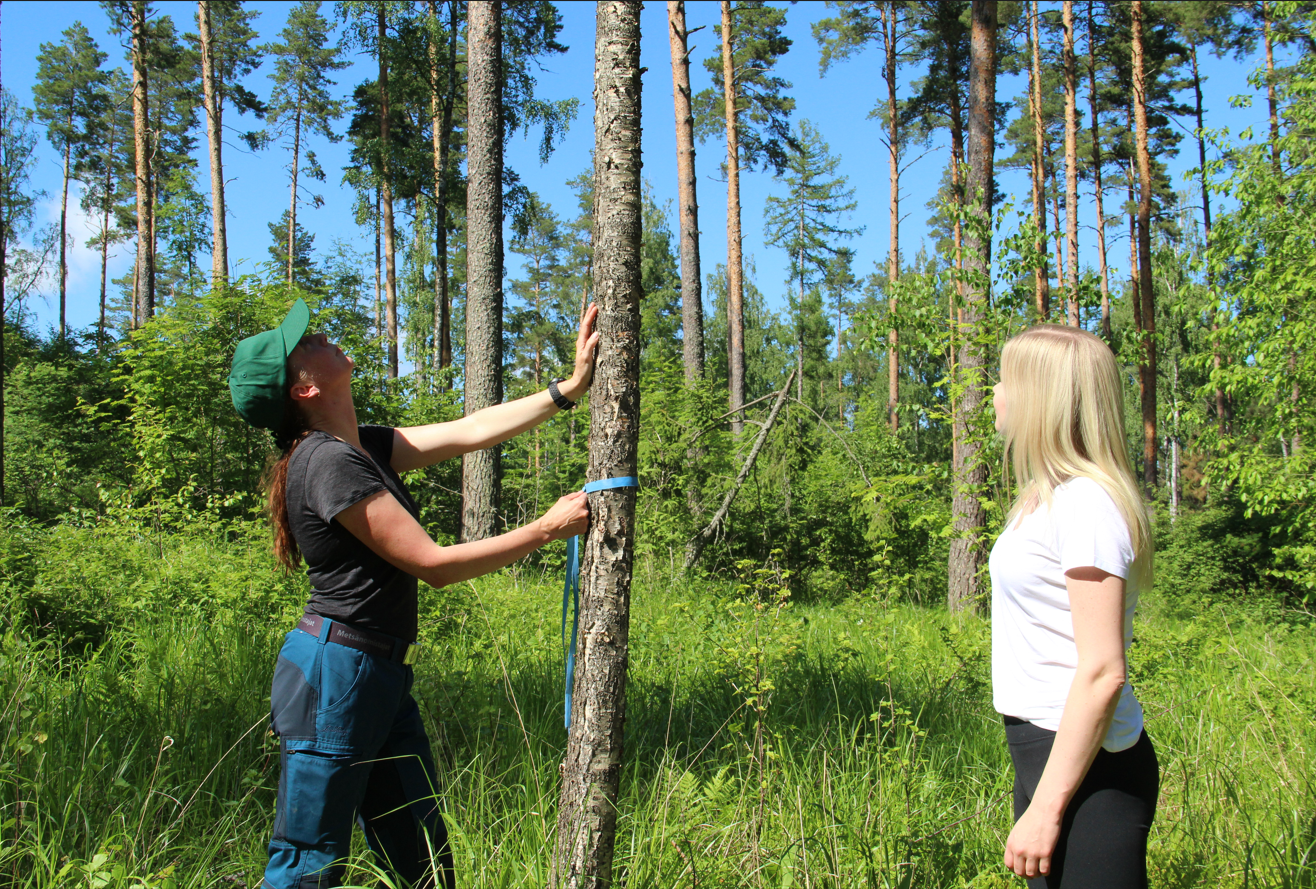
{"x": 559, "y": 399}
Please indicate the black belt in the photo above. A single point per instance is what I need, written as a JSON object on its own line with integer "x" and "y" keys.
{"x": 378, "y": 644}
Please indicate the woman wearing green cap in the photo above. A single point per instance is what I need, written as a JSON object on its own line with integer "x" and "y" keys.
{"x": 352, "y": 745}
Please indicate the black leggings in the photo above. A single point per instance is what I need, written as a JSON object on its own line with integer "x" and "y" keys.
{"x": 1103, "y": 838}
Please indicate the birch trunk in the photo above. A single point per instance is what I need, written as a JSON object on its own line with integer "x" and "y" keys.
{"x": 481, "y": 470}
{"x": 970, "y": 472}
{"x": 591, "y": 769}
{"x": 735, "y": 262}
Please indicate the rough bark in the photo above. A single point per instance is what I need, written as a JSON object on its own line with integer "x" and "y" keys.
{"x": 1146, "y": 293}
{"x": 692, "y": 311}
{"x": 1096, "y": 180}
{"x": 379, "y": 287}
{"x": 144, "y": 287}
{"x": 481, "y": 470}
{"x": 735, "y": 262}
{"x": 889, "y": 22}
{"x": 215, "y": 136}
{"x": 970, "y": 472}
{"x": 386, "y": 195}
{"x": 1071, "y": 165}
{"x": 1041, "y": 277}
{"x": 591, "y": 771}
{"x": 442, "y": 135}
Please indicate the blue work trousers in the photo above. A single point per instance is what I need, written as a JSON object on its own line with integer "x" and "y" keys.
{"x": 352, "y": 747}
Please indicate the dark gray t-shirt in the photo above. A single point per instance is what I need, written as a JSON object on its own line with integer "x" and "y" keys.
{"x": 348, "y": 581}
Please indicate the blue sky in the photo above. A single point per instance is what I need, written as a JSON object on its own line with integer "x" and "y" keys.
{"x": 837, "y": 104}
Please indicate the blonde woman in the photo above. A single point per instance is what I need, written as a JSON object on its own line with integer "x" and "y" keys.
{"x": 1066, "y": 573}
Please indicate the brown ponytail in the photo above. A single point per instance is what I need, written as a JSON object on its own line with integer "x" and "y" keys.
{"x": 289, "y": 435}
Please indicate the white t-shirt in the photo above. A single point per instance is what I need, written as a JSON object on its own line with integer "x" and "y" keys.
{"x": 1033, "y": 653}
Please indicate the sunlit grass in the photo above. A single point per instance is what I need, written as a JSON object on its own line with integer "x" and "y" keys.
{"x": 860, "y": 749}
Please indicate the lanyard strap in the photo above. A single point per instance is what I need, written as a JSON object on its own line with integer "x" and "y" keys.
{"x": 571, "y": 589}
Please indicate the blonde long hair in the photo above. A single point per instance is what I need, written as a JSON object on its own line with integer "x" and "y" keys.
{"x": 1065, "y": 419}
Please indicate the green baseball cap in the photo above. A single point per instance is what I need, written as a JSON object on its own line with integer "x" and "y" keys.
{"x": 258, "y": 381}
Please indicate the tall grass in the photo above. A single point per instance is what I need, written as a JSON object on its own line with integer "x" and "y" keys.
{"x": 768, "y": 744}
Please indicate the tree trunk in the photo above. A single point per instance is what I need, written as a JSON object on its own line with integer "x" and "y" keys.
{"x": 1221, "y": 400}
{"x": 481, "y": 470}
{"x": 215, "y": 135}
{"x": 442, "y": 134}
{"x": 735, "y": 266}
{"x": 1147, "y": 295}
{"x": 379, "y": 292}
{"x": 144, "y": 289}
{"x": 889, "y": 22}
{"x": 1272, "y": 98}
{"x": 1071, "y": 164}
{"x": 63, "y": 239}
{"x": 1041, "y": 277}
{"x": 296, "y": 167}
{"x": 1096, "y": 179}
{"x": 591, "y": 769}
{"x": 1055, "y": 216}
{"x": 692, "y": 311}
{"x": 386, "y": 188}
{"x": 970, "y": 472}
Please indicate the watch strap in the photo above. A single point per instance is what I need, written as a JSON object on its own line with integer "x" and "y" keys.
{"x": 559, "y": 399}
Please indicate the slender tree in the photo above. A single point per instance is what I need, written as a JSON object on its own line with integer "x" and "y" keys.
{"x": 1041, "y": 277}
{"x": 386, "y": 197}
{"x": 301, "y": 104}
{"x": 1097, "y": 192}
{"x": 591, "y": 769}
{"x": 443, "y": 100}
{"x": 1071, "y": 166}
{"x": 1146, "y": 293}
{"x": 692, "y": 311}
{"x": 69, "y": 95}
{"x": 144, "y": 275}
{"x": 970, "y": 470}
{"x": 105, "y": 173}
{"x": 481, "y": 470}
{"x": 753, "y": 111}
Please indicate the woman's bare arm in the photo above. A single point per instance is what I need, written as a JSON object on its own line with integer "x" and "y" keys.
{"x": 384, "y": 525}
{"x": 415, "y": 447}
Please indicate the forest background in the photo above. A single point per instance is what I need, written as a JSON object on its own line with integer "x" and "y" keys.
{"x": 828, "y": 448}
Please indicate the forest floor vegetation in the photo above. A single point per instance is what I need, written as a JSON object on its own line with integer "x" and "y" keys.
{"x": 769, "y": 742}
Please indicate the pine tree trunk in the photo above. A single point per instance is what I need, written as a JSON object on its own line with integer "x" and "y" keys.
{"x": 1071, "y": 164}
{"x": 379, "y": 291}
{"x": 735, "y": 263}
{"x": 144, "y": 288}
{"x": 967, "y": 552}
{"x": 889, "y": 23}
{"x": 481, "y": 470}
{"x": 442, "y": 135}
{"x": 591, "y": 769}
{"x": 63, "y": 239}
{"x": 215, "y": 136}
{"x": 1055, "y": 216}
{"x": 1096, "y": 179}
{"x": 692, "y": 310}
{"x": 296, "y": 167}
{"x": 1147, "y": 296}
{"x": 1222, "y": 412}
{"x": 1041, "y": 277}
{"x": 386, "y": 189}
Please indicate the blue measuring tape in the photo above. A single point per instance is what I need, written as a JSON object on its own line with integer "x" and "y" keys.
{"x": 571, "y": 589}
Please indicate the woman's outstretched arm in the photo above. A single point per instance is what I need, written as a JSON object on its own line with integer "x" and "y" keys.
{"x": 415, "y": 447}
{"x": 383, "y": 524}
{"x": 1096, "y": 603}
